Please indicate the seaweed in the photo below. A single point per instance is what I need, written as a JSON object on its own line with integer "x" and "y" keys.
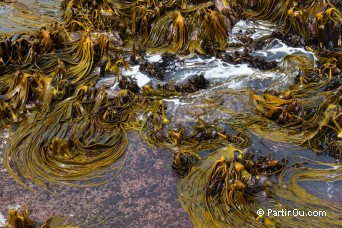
{"x": 220, "y": 189}
{"x": 159, "y": 69}
{"x": 240, "y": 57}
{"x": 195, "y": 83}
{"x": 68, "y": 131}
{"x": 295, "y": 18}
{"x": 21, "y": 219}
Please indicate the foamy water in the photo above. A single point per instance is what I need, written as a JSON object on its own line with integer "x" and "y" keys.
{"x": 239, "y": 76}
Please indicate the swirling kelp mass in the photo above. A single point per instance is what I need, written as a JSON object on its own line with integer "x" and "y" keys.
{"x": 68, "y": 131}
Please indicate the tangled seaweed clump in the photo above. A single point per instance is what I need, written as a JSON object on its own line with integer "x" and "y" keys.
{"x": 228, "y": 188}
{"x": 70, "y": 131}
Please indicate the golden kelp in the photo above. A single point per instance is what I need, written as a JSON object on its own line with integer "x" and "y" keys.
{"x": 291, "y": 191}
{"x": 22, "y": 219}
{"x": 70, "y": 132}
{"x": 318, "y": 22}
{"x": 300, "y": 121}
{"x": 194, "y": 26}
{"x": 218, "y": 191}
{"x": 225, "y": 189}
{"x": 72, "y": 143}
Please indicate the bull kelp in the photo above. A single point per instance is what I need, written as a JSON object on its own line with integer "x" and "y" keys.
{"x": 68, "y": 130}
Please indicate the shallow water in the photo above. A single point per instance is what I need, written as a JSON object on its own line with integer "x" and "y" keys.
{"x": 27, "y": 16}
{"x": 144, "y": 194}
{"x": 238, "y": 76}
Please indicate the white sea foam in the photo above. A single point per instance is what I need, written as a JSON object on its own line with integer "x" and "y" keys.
{"x": 330, "y": 191}
{"x": 221, "y": 71}
{"x": 240, "y": 75}
{"x": 3, "y": 220}
{"x": 261, "y": 29}
{"x": 176, "y": 102}
{"x": 211, "y": 69}
{"x": 153, "y": 57}
{"x": 277, "y": 50}
{"x": 142, "y": 78}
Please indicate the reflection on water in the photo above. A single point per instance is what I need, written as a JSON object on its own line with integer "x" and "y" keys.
{"x": 27, "y": 15}
{"x": 328, "y": 191}
{"x": 145, "y": 193}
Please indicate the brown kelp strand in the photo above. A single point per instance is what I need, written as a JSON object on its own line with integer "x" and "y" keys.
{"x": 194, "y": 84}
{"x": 24, "y": 93}
{"x": 71, "y": 133}
{"x": 25, "y": 17}
{"x": 311, "y": 121}
{"x": 317, "y": 22}
{"x": 20, "y": 219}
{"x": 229, "y": 186}
{"x": 221, "y": 189}
{"x": 69, "y": 130}
{"x": 244, "y": 56}
{"x": 291, "y": 189}
{"x": 72, "y": 142}
{"x": 168, "y": 25}
{"x": 156, "y": 69}
{"x": 202, "y": 137}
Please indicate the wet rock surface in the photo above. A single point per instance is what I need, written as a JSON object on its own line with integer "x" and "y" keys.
{"x": 27, "y": 16}
{"x": 144, "y": 194}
